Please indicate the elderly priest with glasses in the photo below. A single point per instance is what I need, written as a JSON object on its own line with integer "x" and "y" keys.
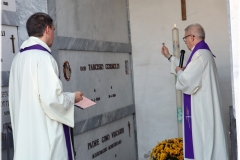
{"x": 204, "y": 134}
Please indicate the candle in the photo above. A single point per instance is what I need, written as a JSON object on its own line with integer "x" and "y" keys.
{"x": 176, "y": 53}
{"x": 175, "y": 39}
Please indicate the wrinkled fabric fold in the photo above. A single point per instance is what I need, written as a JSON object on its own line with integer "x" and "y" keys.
{"x": 65, "y": 127}
{"x": 188, "y": 144}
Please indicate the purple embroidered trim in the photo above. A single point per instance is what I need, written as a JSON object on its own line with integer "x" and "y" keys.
{"x": 37, "y": 47}
{"x": 189, "y": 151}
{"x": 68, "y": 141}
{"x": 200, "y": 45}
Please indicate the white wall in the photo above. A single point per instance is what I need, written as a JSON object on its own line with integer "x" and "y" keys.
{"x": 151, "y": 23}
{"x": 234, "y": 25}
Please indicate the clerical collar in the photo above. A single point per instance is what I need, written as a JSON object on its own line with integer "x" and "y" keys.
{"x": 192, "y": 48}
{"x": 36, "y": 46}
{"x": 33, "y": 41}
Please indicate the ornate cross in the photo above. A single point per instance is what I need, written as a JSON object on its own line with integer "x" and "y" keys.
{"x": 183, "y": 6}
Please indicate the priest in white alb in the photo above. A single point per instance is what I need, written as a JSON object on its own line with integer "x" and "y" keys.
{"x": 41, "y": 113}
{"x": 204, "y": 134}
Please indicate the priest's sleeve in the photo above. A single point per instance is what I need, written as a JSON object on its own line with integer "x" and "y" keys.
{"x": 174, "y": 64}
{"x": 189, "y": 80}
{"x": 58, "y": 105}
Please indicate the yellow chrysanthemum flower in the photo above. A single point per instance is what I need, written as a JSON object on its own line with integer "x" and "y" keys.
{"x": 171, "y": 148}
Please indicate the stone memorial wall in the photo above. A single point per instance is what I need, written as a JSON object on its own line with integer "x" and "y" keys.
{"x": 9, "y": 49}
{"x": 96, "y": 48}
{"x": 93, "y": 51}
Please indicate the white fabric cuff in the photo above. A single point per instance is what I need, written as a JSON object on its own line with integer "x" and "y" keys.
{"x": 68, "y": 99}
{"x": 179, "y": 73}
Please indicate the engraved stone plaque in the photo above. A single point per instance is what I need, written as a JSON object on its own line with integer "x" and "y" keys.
{"x": 101, "y": 76}
{"x": 5, "y": 106}
{"x": 112, "y": 141}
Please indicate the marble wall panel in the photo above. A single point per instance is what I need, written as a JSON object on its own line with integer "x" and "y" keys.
{"x": 104, "y": 20}
{"x": 109, "y": 88}
{"x": 121, "y": 131}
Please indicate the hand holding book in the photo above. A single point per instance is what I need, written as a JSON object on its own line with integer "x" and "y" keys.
{"x": 85, "y": 103}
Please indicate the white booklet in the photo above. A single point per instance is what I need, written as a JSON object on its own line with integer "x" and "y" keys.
{"x": 85, "y": 103}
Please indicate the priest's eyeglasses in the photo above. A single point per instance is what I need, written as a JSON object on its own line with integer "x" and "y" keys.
{"x": 184, "y": 38}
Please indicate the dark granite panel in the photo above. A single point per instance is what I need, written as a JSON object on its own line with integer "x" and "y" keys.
{"x": 233, "y": 135}
{"x": 5, "y": 78}
{"x": 8, "y": 143}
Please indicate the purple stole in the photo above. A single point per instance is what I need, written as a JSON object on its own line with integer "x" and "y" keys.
{"x": 189, "y": 152}
{"x": 65, "y": 127}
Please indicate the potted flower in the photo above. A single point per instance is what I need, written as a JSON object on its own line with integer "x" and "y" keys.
{"x": 169, "y": 149}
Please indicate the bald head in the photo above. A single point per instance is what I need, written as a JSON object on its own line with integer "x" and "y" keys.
{"x": 196, "y": 30}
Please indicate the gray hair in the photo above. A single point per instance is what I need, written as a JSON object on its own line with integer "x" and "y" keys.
{"x": 196, "y": 30}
